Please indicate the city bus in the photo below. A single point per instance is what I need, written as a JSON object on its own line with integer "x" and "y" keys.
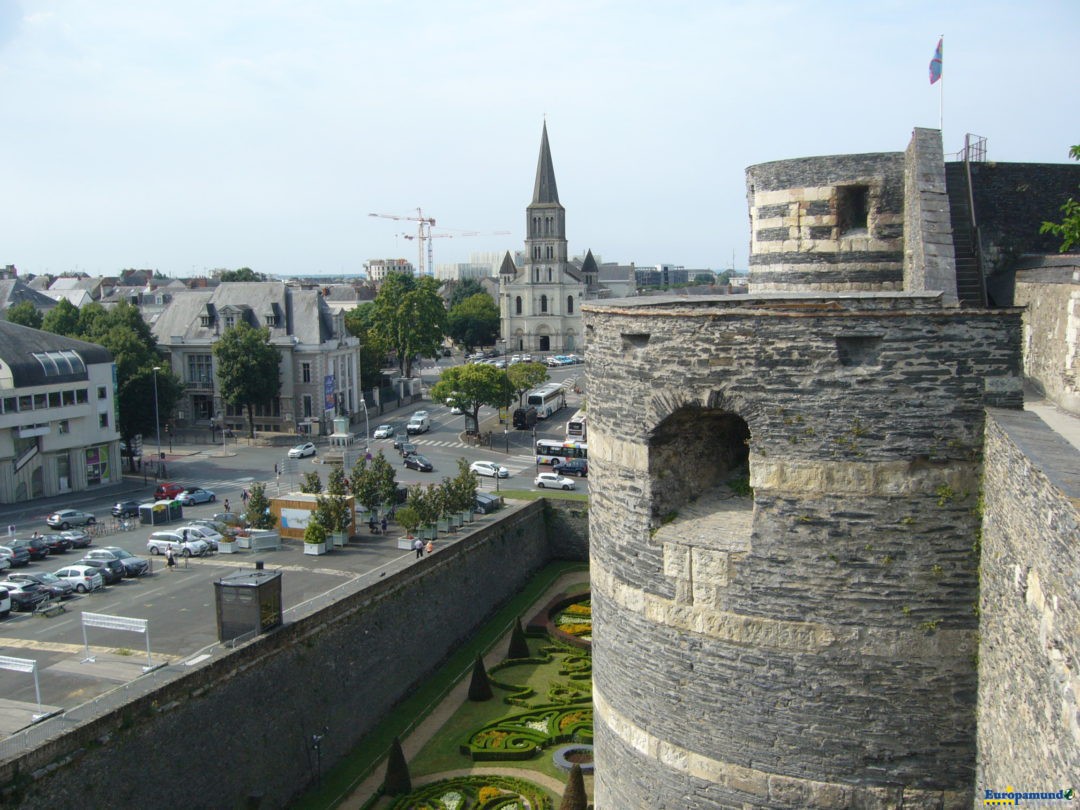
{"x": 576, "y": 427}
{"x": 546, "y": 399}
{"x": 549, "y": 451}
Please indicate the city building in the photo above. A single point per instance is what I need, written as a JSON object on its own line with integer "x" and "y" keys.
{"x": 320, "y": 361}
{"x": 58, "y": 415}
{"x": 378, "y": 269}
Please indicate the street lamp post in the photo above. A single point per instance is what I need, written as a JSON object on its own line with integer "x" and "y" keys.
{"x": 367, "y": 431}
{"x": 506, "y": 438}
{"x": 157, "y": 420}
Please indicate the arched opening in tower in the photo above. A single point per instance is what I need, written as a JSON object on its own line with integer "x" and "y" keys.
{"x": 698, "y": 454}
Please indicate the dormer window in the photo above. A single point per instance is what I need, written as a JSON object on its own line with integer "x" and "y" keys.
{"x": 271, "y": 320}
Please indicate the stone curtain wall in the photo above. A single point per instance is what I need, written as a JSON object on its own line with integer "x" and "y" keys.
{"x": 929, "y": 257}
{"x": 567, "y": 529}
{"x": 1051, "y": 297}
{"x": 830, "y": 660}
{"x": 1012, "y": 200}
{"x": 796, "y": 243}
{"x": 1029, "y": 652}
{"x": 241, "y": 725}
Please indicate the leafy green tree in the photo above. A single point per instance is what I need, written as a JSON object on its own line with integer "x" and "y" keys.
{"x": 574, "y": 798}
{"x": 63, "y": 319}
{"x": 332, "y": 509}
{"x": 463, "y": 488}
{"x": 705, "y": 278}
{"x": 410, "y": 318}
{"x": 466, "y": 288}
{"x": 359, "y": 322}
{"x": 311, "y": 483}
{"x": 258, "y": 514}
{"x": 248, "y": 369}
{"x": 469, "y": 387}
{"x": 474, "y": 322}
{"x": 525, "y": 377}
{"x": 382, "y": 472}
{"x": 314, "y": 532}
{"x": 1069, "y": 227}
{"x": 242, "y": 274}
{"x": 408, "y": 518}
{"x": 25, "y": 314}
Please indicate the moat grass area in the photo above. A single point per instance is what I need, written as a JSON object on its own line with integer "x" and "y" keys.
{"x": 339, "y": 783}
{"x": 532, "y": 494}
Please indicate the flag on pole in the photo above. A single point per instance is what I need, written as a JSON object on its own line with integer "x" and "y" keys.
{"x": 935, "y": 64}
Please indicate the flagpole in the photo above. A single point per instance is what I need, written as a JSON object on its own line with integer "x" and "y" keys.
{"x": 941, "y": 93}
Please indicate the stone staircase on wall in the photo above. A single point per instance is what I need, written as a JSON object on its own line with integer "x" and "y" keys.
{"x": 970, "y": 289}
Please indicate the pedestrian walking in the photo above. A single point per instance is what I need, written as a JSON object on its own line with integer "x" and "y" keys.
{"x": 384, "y": 524}
{"x": 244, "y": 496}
{"x": 226, "y": 504}
{"x": 170, "y": 560}
{"x": 418, "y": 547}
{"x": 430, "y": 546}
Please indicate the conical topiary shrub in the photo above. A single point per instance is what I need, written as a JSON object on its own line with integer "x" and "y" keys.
{"x": 397, "y": 781}
{"x": 480, "y": 688}
{"x": 574, "y": 797}
{"x": 519, "y": 645}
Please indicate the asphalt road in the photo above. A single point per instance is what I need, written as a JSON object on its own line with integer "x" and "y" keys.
{"x": 179, "y": 605}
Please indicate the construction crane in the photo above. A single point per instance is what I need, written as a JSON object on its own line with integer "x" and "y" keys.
{"x": 423, "y": 233}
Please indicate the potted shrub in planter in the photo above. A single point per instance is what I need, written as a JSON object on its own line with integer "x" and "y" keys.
{"x": 463, "y": 492}
{"x": 257, "y": 515}
{"x": 409, "y": 520}
{"x": 314, "y": 537}
{"x": 332, "y": 509}
{"x": 372, "y": 483}
{"x": 227, "y": 544}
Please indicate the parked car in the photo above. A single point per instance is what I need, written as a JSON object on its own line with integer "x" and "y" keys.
{"x": 18, "y": 556}
{"x": 133, "y": 566}
{"x": 123, "y": 509}
{"x": 78, "y": 538}
{"x": 25, "y": 596}
{"x": 35, "y": 546}
{"x": 167, "y": 491}
{"x": 229, "y": 519}
{"x": 553, "y": 481}
{"x": 489, "y": 468}
{"x": 160, "y": 542}
{"x": 66, "y": 518}
{"x": 383, "y": 432}
{"x": 57, "y": 543}
{"x": 5, "y": 563}
{"x": 52, "y": 584}
{"x": 203, "y": 532}
{"x": 190, "y": 497}
{"x": 302, "y": 450}
{"x": 112, "y": 570}
{"x": 573, "y": 466}
{"x": 414, "y": 461}
{"x": 5, "y": 603}
{"x": 84, "y": 577}
{"x": 224, "y": 529}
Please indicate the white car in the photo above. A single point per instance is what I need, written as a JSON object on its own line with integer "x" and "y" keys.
{"x": 302, "y": 450}
{"x": 182, "y": 543}
{"x": 5, "y": 603}
{"x": 554, "y": 481}
{"x": 203, "y": 532}
{"x": 489, "y": 468}
{"x": 383, "y": 432}
{"x": 84, "y": 577}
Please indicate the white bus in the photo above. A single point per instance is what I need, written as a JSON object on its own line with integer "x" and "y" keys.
{"x": 576, "y": 427}
{"x": 550, "y": 451}
{"x": 546, "y": 399}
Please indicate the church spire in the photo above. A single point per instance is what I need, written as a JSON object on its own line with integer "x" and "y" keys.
{"x": 545, "y": 190}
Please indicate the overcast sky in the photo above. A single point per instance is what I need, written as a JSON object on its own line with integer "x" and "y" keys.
{"x": 187, "y": 136}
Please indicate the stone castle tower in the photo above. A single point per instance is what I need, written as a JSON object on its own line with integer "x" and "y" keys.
{"x": 540, "y": 303}
{"x": 808, "y": 641}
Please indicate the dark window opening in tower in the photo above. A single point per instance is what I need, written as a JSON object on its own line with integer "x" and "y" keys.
{"x": 518, "y": 305}
{"x": 852, "y": 209}
{"x": 543, "y": 303}
{"x": 549, "y": 272}
{"x": 699, "y": 455}
{"x": 569, "y": 305}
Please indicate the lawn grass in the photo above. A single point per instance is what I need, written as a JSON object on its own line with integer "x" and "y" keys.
{"x": 534, "y": 494}
{"x": 338, "y": 782}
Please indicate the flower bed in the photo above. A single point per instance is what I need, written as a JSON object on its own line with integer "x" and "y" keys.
{"x": 476, "y": 793}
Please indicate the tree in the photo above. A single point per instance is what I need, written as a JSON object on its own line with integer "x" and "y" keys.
{"x": 332, "y": 510}
{"x": 1069, "y": 227}
{"x": 242, "y": 274}
{"x": 258, "y": 514}
{"x": 466, "y": 288}
{"x": 409, "y": 519}
{"x": 63, "y": 319}
{"x": 311, "y": 483}
{"x": 469, "y": 387}
{"x": 474, "y": 322}
{"x": 519, "y": 645}
{"x": 248, "y": 369}
{"x": 575, "y": 797}
{"x": 705, "y": 278}
{"x": 397, "y": 781}
{"x": 359, "y": 322}
{"x": 462, "y": 488}
{"x": 480, "y": 685}
{"x": 525, "y": 377}
{"x": 25, "y": 314}
{"x": 410, "y": 318}
{"x": 372, "y": 482}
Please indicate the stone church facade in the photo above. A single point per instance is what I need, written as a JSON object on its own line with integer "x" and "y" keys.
{"x": 540, "y": 302}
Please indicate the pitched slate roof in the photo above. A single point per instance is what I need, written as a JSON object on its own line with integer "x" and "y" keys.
{"x": 18, "y": 344}
{"x": 13, "y": 291}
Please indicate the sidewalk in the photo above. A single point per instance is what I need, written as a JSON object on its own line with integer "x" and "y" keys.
{"x": 1066, "y": 424}
{"x": 431, "y": 724}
